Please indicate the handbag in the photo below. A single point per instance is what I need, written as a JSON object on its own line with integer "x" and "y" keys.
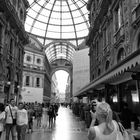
{"x": 14, "y": 120}
{"x": 122, "y": 134}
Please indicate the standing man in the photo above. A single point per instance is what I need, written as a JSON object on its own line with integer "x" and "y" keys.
{"x": 22, "y": 121}
{"x": 11, "y": 111}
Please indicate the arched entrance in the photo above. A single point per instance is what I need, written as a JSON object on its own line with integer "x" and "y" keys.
{"x": 61, "y": 68}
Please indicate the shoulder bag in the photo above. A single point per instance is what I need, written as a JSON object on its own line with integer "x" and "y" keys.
{"x": 14, "y": 120}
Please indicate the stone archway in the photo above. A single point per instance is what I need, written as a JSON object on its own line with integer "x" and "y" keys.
{"x": 65, "y": 66}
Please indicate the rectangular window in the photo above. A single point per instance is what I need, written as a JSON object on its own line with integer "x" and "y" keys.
{"x": 38, "y": 82}
{"x": 97, "y": 48}
{"x": 27, "y": 80}
{"x": 118, "y": 17}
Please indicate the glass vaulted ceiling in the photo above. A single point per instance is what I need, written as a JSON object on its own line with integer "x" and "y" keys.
{"x": 58, "y": 21}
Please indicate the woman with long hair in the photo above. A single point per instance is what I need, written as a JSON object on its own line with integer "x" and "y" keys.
{"x": 107, "y": 128}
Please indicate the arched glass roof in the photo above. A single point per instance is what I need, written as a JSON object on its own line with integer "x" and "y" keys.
{"x": 61, "y": 20}
{"x": 60, "y": 50}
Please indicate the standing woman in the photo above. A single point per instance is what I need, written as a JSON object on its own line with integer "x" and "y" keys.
{"x": 2, "y": 118}
{"x": 50, "y": 114}
{"x": 45, "y": 117}
{"x": 107, "y": 128}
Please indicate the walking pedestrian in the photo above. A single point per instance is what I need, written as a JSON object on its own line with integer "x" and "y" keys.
{"x": 2, "y": 118}
{"x": 11, "y": 111}
{"x": 22, "y": 121}
{"x": 45, "y": 117}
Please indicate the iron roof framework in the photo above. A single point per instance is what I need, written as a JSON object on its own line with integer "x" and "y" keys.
{"x": 61, "y": 20}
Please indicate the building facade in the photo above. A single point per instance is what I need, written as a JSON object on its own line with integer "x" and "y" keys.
{"x": 36, "y": 73}
{"x": 114, "y": 41}
{"x": 81, "y": 76}
{"x": 54, "y": 89}
{"x": 12, "y": 40}
{"x": 68, "y": 91}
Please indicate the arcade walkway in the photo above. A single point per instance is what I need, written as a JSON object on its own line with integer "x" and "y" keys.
{"x": 67, "y": 127}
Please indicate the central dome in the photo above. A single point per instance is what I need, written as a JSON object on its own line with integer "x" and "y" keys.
{"x": 58, "y": 20}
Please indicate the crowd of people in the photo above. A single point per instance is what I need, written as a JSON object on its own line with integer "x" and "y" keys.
{"x": 19, "y": 120}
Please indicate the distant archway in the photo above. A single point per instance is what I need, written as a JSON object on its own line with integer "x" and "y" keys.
{"x": 65, "y": 66}
{"x": 121, "y": 55}
{"x": 61, "y": 86}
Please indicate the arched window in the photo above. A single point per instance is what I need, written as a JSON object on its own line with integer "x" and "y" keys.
{"x": 121, "y": 55}
{"x": 21, "y": 14}
{"x": 107, "y": 65}
{"x": 99, "y": 72}
{"x": 93, "y": 77}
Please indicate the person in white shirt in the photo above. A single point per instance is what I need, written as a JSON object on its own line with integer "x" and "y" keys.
{"x": 107, "y": 128}
{"x": 2, "y": 118}
{"x": 11, "y": 111}
{"x": 22, "y": 121}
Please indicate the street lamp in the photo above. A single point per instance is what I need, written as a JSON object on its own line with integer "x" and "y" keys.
{"x": 8, "y": 83}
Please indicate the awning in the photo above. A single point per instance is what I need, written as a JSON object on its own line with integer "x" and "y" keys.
{"x": 123, "y": 69}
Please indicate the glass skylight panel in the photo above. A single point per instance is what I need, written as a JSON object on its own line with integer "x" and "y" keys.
{"x": 76, "y": 14}
{"x": 51, "y": 21}
{"x": 45, "y": 12}
{"x": 36, "y": 7}
{"x": 40, "y": 40}
{"x": 38, "y": 32}
{"x": 32, "y": 13}
{"x": 41, "y": 2}
{"x": 83, "y": 9}
{"x": 82, "y": 33}
{"x": 67, "y": 29}
{"x": 79, "y": 3}
{"x": 54, "y": 28}
{"x": 68, "y": 35}
{"x": 48, "y": 7}
{"x": 40, "y": 25}
{"x": 54, "y": 34}
{"x": 55, "y": 15}
{"x": 30, "y": 1}
{"x": 65, "y": 9}
{"x": 79, "y": 20}
{"x": 27, "y": 27}
{"x": 42, "y": 18}
{"x": 73, "y": 7}
{"x": 54, "y": 22}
